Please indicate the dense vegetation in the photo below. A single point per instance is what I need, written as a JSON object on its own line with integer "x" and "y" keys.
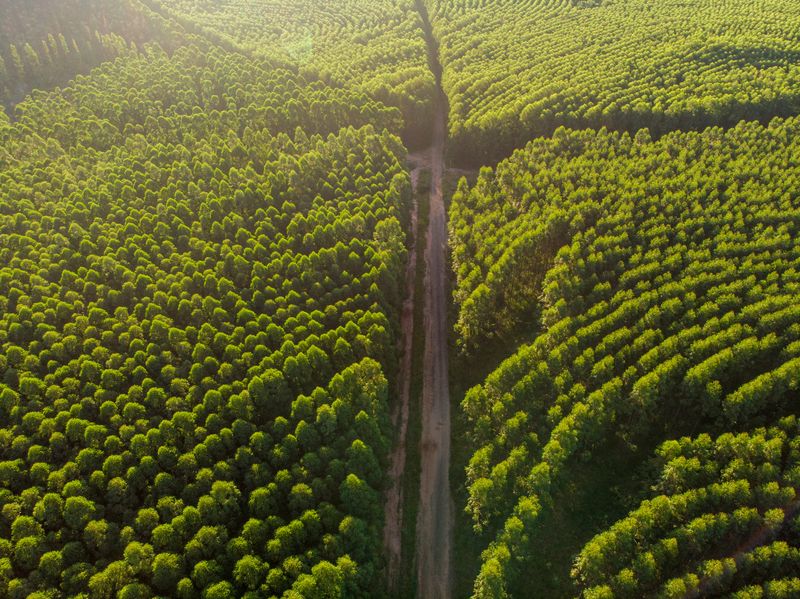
{"x": 198, "y": 290}
{"x": 47, "y": 43}
{"x": 725, "y": 521}
{"x": 513, "y": 69}
{"x": 664, "y": 276}
{"x": 204, "y": 209}
{"x": 375, "y": 46}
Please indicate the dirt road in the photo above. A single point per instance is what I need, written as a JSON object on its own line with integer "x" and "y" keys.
{"x": 435, "y": 516}
{"x": 393, "y": 508}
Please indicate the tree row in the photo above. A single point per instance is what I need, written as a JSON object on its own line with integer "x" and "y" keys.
{"x": 660, "y": 281}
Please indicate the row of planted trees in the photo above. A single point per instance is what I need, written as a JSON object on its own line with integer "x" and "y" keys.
{"x": 46, "y": 44}
{"x": 665, "y": 278}
{"x": 723, "y": 520}
{"x": 515, "y": 70}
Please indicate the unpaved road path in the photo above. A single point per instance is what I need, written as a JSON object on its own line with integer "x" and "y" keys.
{"x": 435, "y": 516}
{"x": 393, "y": 508}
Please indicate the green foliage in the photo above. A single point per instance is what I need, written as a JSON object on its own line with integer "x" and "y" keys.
{"x": 201, "y": 248}
{"x": 47, "y": 43}
{"x": 725, "y": 517}
{"x": 167, "y": 570}
{"x": 513, "y": 70}
{"x": 194, "y": 329}
{"x": 662, "y": 280}
{"x": 374, "y": 46}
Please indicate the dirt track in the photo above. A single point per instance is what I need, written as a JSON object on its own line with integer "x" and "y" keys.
{"x": 435, "y": 516}
{"x": 393, "y": 509}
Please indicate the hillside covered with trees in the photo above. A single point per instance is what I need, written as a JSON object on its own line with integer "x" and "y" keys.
{"x": 377, "y": 46}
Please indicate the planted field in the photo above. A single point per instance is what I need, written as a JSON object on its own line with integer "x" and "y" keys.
{"x": 222, "y": 375}
{"x": 198, "y": 275}
{"x": 665, "y": 275}
{"x": 377, "y": 47}
{"x": 513, "y": 70}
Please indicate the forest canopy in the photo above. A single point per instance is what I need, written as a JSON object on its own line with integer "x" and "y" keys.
{"x": 661, "y": 280}
{"x": 515, "y": 70}
{"x": 198, "y": 296}
{"x": 219, "y": 362}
